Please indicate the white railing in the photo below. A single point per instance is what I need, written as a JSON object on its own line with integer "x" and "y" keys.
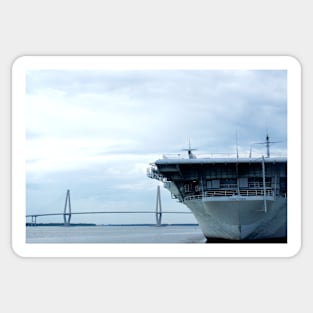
{"x": 220, "y": 155}
{"x": 230, "y": 193}
{"x": 202, "y": 155}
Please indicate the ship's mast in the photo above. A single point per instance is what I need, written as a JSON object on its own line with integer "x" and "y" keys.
{"x": 267, "y": 146}
{"x": 267, "y": 143}
{"x": 237, "y": 145}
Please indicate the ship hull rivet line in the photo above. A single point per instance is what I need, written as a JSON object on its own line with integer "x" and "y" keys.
{"x": 67, "y": 216}
{"x": 158, "y": 208}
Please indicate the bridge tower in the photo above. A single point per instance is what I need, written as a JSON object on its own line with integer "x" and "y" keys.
{"x": 67, "y": 216}
{"x": 158, "y": 208}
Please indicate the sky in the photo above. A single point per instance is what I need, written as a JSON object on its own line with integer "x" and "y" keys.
{"x": 95, "y": 133}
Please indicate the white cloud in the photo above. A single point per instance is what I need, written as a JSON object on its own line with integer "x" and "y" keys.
{"x": 99, "y": 130}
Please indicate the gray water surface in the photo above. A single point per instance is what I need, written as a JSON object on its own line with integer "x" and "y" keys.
{"x": 114, "y": 234}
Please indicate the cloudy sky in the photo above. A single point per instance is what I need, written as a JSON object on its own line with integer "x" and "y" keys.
{"x": 95, "y": 132}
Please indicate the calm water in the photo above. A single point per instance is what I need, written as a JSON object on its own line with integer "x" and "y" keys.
{"x": 114, "y": 234}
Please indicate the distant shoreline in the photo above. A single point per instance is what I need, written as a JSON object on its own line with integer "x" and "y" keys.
{"x": 59, "y": 224}
{"x": 92, "y": 224}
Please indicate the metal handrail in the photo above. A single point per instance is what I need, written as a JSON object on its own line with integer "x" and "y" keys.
{"x": 219, "y": 155}
{"x": 233, "y": 192}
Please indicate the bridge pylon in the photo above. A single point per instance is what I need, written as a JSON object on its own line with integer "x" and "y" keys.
{"x": 158, "y": 208}
{"x": 67, "y": 215}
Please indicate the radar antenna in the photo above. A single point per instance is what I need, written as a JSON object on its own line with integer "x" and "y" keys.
{"x": 267, "y": 143}
{"x": 190, "y": 154}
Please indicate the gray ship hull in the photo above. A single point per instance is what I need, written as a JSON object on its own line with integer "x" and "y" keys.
{"x": 240, "y": 219}
{"x": 236, "y": 199}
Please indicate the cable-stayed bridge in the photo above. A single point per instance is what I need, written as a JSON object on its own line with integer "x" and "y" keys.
{"x": 67, "y": 213}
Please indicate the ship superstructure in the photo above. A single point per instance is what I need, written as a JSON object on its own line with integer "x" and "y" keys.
{"x": 231, "y": 198}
